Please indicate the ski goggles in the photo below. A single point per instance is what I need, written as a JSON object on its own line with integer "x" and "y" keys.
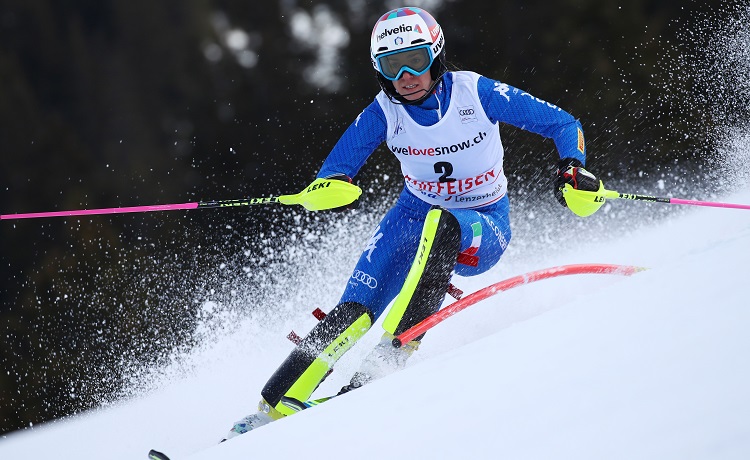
{"x": 416, "y": 61}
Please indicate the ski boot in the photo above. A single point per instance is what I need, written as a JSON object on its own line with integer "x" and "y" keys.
{"x": 382, "y": 360}
{"x": 265, "y": 415}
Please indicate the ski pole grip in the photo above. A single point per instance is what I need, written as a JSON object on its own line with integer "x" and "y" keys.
{"x": 396, "y": 342}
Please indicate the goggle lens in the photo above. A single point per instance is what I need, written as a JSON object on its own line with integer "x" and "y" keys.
{"x": 415, "y": 61}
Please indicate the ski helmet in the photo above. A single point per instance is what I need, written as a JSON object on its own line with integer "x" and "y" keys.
{"x": 410, "y": 40}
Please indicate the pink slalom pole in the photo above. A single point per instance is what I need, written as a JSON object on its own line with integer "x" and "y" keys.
{"x": 440, "y": 316}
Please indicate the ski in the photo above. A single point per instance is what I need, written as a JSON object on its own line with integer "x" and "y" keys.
{"x": 156, "y": 455}
{"x": 297, "y": 405}
{"x": 294, "y": 404}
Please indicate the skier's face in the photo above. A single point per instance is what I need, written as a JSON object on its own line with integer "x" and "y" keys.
{"x": 412, "y": 87}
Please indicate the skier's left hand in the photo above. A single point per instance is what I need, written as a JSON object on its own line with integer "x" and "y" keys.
{"x": 571, "y": 171}
{"x": 578, "y": 189}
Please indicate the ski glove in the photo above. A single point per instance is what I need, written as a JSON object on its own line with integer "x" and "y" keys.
{"x": 576, "y": 188}
{"x": 336, "y": 193}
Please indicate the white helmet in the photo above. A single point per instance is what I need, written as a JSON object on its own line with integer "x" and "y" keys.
{"x": 406, "y": 39}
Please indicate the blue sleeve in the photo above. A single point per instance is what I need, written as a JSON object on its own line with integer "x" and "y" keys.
{"x": 356, "y": 144}
{"x": 506, "y": 104}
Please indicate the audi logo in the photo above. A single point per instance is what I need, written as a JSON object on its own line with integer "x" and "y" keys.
{"x": 465, "y": 112}
{"x": 365, "y": 279}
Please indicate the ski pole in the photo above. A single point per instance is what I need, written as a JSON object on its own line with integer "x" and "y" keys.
{"x": 611, "y": 194}
{"x": 148, "y": 208}
{"x": 320, "y": 195}
{"x": 591, "y": 201}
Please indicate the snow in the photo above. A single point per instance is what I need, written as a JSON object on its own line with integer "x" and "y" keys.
{"x": 651, "y": 366}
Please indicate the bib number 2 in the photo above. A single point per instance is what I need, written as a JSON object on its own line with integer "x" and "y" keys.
{"x": 445, "y": 169}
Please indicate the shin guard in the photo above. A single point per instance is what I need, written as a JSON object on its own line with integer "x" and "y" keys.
{"x": 308, "y": 364}
{"x": 429, "y": 277}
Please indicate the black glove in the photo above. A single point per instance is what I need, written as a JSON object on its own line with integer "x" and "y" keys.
{"x": 571, "y": 171}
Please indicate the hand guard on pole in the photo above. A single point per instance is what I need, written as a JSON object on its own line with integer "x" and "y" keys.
{"x": 335, "y": 193}
{"x": 578, "y": 189}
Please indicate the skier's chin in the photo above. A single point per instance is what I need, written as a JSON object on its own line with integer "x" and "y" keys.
{"x": 414, "y": 95}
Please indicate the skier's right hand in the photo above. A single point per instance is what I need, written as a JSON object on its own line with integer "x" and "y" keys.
{"x": 334, "y": 193}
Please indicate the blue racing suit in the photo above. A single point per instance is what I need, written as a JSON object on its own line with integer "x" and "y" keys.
{"x": 485, "y": 231}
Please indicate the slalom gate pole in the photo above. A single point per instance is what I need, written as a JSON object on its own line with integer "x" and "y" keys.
{"x": 440, "y": 316}
{"x": 611, "y": 194}
{"x": 150, "y": 208}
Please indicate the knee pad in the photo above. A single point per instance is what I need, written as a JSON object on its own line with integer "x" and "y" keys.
{"x": 428, "y": 279}
{"x": 313, "y": 359}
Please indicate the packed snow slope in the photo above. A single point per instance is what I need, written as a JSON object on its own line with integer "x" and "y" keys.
{"x": 652, "y": 366}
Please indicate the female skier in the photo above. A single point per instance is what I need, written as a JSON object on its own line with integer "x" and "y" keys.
{"x": 451, "y": 217}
